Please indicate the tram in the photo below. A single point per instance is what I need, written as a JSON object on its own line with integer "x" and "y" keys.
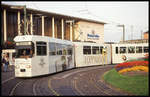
{"x": 41, "y": 55}
{"x": 38, "y": 55}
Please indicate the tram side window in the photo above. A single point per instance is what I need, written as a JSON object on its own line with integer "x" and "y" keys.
{"x": 116, "y": 50}
{"x": 101, "y": 49}
{"x": 59, "y": 52}
{"x": 59, "y": 49}
{"x": 64, "y": 51}
{"x": 52, "y": 48}
{"x": 131, "y": 49}
{"x": 86, "y": 50}
{"x": 69, "y": 51}
{"x": 139, "y": 49}
{"x": 41, "y": 48}
{"x": 122, "y": 50}
{"x": 145, "y": 49}
{"x": 95, "y": 50}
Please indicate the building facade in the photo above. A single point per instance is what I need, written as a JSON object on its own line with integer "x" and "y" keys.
{"x": 88, "y": 31}
{"x": 45, "y": 24}
{"x": 48, "y": 24}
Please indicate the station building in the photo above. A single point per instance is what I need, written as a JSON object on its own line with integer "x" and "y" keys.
{"x": 46, "y": 24}
{"x": 49, "y": 24}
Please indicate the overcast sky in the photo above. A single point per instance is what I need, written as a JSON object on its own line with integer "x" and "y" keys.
{"x": 134, "y": 15}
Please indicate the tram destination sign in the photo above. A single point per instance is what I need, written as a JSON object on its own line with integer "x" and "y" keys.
{"x": 23, "y": 43}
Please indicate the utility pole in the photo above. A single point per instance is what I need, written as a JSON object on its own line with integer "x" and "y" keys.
{"x": 131, "y": 32}
{"x": 123, "y": 26}
{"x": 141, "y": 34}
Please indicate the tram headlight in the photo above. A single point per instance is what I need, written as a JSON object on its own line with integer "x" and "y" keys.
{"x": 28, "y": 66}
{"x": 16, "y": 66}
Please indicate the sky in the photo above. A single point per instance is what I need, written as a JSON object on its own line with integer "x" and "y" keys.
{"x": 134, "y": 15}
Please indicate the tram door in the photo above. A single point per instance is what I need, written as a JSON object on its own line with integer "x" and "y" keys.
{"x": 106, "y": 53}
{"x": 41, "y": 62}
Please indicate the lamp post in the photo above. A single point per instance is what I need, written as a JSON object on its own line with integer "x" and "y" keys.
{"x": 123, "y": 31}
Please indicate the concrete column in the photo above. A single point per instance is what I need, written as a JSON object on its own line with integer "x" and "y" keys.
{"x": 62, "y": 26}
{"x": 5, "y": 30}
{"x": 31, "y": 25}
{"x": 42, "y": 25}
{"x": 53, "y": 29}
{"x": 70, "y": 31}
{"x": 19, "y": 23}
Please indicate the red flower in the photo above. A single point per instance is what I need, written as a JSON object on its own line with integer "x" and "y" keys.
{"x": 132, "y": 63}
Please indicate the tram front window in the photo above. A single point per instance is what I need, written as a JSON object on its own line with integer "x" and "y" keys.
{"x": 24, "y": 51}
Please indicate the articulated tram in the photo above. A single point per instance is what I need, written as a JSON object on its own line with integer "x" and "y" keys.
{"x": 41, "y": 55}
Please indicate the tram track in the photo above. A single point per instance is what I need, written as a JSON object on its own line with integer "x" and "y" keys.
{"x": 87, "y": 84}
{"x": 13, "y": 89}
{"x": 97, "y": 79}
{"x": 40, "y": 87}
{"x": 17, "y": 86}
{"x": 34, "y": 88}
{"x": 99, "y": 85}
{"x": 8, "y": 80}
{"x": 81, "y": 81}
{"x": 9, "y": 84}
{"x": 67, "y": 75}
{"x": 75, "y": 79}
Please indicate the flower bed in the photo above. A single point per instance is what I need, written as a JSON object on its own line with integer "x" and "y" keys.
{"x": 132, "y": 66}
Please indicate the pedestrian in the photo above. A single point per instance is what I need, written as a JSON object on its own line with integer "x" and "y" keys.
{"x": 6, "y": 63}
{"x": 3, "y": 62}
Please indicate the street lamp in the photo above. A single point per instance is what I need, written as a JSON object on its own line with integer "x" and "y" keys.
{"x": 123, "y": 31}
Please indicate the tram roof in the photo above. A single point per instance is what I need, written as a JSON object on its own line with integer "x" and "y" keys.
{"x": 129, "y": 44}
{"x": 41, "y": 38}
{"x": 89, "y": 44}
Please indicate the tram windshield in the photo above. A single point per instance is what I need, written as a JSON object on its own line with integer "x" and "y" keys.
{"x": 24, "y": 50}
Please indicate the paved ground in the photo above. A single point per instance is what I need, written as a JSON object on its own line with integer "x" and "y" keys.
{"x": 79, "y": 81}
